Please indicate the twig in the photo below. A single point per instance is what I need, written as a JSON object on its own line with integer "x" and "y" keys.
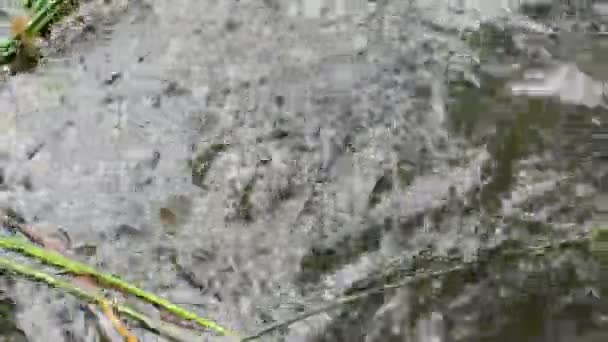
{"x": 108, "y": 310}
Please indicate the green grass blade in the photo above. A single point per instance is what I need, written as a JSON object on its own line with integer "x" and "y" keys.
{"x": 8, "y": 51}
{"x": 43, "y": 17}
{"x": 52, "y": 281}
{"x": 76, "y": 268}
{"x": 168, "y": 330}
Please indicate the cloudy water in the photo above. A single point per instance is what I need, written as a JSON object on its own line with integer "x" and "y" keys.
{"x": 255, "y": 160}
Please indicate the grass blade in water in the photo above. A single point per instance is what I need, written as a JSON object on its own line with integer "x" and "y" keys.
{"x": 71, "y": 266}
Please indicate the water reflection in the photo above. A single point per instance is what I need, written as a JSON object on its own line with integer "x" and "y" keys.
{"x": 515, "y": 128}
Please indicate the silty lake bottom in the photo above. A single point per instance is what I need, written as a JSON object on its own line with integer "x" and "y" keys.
{"x": 254, "y": 160}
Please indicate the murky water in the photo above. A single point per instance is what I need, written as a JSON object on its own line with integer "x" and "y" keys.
{"x": 253, "y": 160}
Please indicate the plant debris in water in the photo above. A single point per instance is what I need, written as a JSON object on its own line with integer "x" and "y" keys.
{"x": 202, "y": 163}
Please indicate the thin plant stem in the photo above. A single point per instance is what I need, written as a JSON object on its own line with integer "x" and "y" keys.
{"x": 348, "y": 300}
{"x": 415, "y": 276}
{"x": 93, "y": 297}
{"x": 80, "y": 269}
